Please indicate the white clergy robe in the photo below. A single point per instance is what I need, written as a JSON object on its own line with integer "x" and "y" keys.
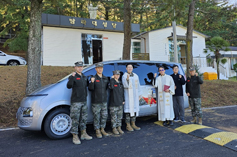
{"x": 131, "y": 94}
{"x": 165, "y": 101}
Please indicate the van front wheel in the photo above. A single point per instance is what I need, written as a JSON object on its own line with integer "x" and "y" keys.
{"x": 58, "y": 123}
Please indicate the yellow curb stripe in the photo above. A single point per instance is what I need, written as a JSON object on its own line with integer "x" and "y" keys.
{"x": 159, "y": 123}
{"x": 190, "y": 128}
{"x": 221, "y": 138}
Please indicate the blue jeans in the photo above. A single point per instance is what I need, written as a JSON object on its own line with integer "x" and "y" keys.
{"x": 178, "y": 104}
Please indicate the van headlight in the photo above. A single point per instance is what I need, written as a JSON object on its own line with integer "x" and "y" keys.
{"x": 27, "y": 112}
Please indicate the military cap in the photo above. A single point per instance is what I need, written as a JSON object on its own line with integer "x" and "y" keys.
{"x": 116, "y": 72}
{"x": 99, "y": 65}
{"x": 79, "y": 64}
{"x": 191, "y": 68}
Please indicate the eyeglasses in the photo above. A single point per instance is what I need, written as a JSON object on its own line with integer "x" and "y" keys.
{"x": 162, "y": 70}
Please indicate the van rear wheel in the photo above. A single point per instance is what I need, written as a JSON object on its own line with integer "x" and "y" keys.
{"x": 58, "y": 123}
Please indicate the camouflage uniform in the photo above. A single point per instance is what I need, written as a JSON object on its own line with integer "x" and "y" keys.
{"x": 193, "y": 88}
{"x": 195, "y": 104}
{"x": 116, "y": 116}
{"x": 78, "y": 112}
{"x": 99, "y": 98}
{"x": 100, "y": 115}
{"x": 128, "y": 118}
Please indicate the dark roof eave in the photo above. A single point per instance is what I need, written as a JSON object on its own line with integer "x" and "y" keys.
{"x": 226, "y": 55}
{"x": 84, "y": 23}
{"x": 206, "y": 36}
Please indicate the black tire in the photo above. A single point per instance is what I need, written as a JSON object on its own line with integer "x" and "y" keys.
{"x": 56, "y": 120}
{"x": 13, "y": 63}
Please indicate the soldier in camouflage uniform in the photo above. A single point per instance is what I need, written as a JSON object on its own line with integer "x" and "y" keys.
{"x": 78, "y": 110}
{"x": 98, "y": 87}
{"x": 116, "y": 102}
{"x": 194, "y": 94}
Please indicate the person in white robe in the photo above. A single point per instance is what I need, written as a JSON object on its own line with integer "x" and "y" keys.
{"x": 131, "y": 93}
{"x": 166, "y": 88}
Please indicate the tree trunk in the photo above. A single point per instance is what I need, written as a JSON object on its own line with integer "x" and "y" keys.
{"x": 141, "y": 18}
{"x": 218, "y": 70}
{"x": 106, "y": 13}
{"x": 34, "y": 48}
{"x": 114, "y": 19}
{"x": 127, "y": 30}
{"x": 76, "y": 10}
{"x": 80, "y": 8}
{"x": 218, "y": 55}
{"x": 189, "y": 37}
{"x": 26, "y": 12}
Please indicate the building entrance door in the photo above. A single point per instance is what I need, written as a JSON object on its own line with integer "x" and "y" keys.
{"x": 97, "y": 50}
{"x": 91, "y": 48}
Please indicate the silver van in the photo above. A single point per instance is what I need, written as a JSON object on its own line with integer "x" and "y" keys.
{"x": 48, "y": 107}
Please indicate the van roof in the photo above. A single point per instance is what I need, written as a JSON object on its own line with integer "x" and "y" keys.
{"x": 138, "y": 61}
{"x": 131, "y": 61}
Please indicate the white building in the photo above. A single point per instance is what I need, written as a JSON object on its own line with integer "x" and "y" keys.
{"x": 66, "y": 40}
{"x": 227, "y": 69}
{"x": 158, "y": 45}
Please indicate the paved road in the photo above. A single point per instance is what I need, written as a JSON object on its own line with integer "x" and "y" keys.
{"x": 224, "y": 118}
{"x": 153, "y": 140}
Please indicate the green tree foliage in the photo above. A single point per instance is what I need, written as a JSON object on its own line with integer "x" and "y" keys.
{"x": 215, "y": 45}
{"x": 210, "y": 17}
{"x": 216, "y": 19}
{"x": 14, "y": 19}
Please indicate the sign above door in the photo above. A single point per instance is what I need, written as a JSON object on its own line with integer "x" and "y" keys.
{"x": 77, "y": 22}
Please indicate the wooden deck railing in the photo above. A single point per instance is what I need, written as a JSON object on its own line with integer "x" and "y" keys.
{"x": 140, "y": 56}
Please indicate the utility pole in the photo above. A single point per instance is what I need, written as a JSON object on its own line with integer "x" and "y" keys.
{"x": 175, "y": 39}
{"x": 175, "y": 42}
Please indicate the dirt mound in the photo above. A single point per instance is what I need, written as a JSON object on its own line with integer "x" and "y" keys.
{"x": 219, "y": 93}
{"x": 13, "y": 83}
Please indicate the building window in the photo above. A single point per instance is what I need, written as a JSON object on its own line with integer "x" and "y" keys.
{"x": 233, "y": 61}
{"x": 145, "y": 71}
{"x": 136, "y": 47}
{"x": 180, "y": 49}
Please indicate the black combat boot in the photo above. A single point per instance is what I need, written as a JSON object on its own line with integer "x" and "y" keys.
{"x": 165, "y": 123}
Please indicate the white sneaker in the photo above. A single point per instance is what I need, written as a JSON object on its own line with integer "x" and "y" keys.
{"x": 176, "y": 120}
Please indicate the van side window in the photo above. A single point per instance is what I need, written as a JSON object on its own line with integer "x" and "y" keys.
{"x": 108, "y": 71}
{"x": 168, "y": 68}
{"x": 145, "y": 71}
